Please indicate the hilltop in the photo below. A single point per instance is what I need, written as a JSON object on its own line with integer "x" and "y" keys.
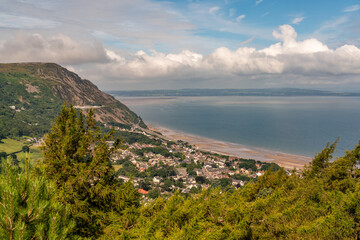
{"x": 31, "y": 94}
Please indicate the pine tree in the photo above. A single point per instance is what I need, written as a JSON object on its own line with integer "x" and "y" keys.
{"x": 28, "y": 208}
{"x": 77, "y": 158}
{"x": 321, "y": 160}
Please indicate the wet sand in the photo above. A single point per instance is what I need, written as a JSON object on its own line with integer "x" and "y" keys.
{"x": 286, "y": 160}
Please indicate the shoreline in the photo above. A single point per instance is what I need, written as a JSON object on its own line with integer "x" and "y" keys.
{"x": 286, "y": 160}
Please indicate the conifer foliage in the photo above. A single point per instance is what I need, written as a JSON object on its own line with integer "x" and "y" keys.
{"x": 77, "y": 159}
{"x": 74, "y": 195}
{"x": 28, "y": 208}
{"x": 321, "y": 202}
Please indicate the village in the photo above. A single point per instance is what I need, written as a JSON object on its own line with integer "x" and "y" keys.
{"x": 166, "y": 166}
{"x": 159, "y": 166}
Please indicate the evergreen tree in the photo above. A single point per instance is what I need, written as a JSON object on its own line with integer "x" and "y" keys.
{"x": 15, "y": 160}
{"x": 3, "y": 155}
{"x": 321, "y": 160}
{"x": 25, "y": 149}
{"x": 77, "y": 158}
{"x": 28, "y": 209}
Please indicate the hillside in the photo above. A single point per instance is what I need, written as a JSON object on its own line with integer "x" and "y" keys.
{"x": 31, "y": 94}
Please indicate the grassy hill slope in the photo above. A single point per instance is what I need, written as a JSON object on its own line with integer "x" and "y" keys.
{"x": 31, "y": 94}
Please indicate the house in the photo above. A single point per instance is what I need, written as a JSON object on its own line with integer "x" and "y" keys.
{"x": 187, "y": 160}
{"x": 157, "y": 179}
{"x": 185, "y": 190}
{"x": 110, "y": 143}
{"x": 142, "y": 191}
{"x": 181, "y": 172}
{"x": 199, "y": 172}
{"x": 238, "y": 182}
{"x": 125, "y": 178}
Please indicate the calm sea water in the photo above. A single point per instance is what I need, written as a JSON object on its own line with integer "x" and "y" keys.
{"x": 298, "y": 125}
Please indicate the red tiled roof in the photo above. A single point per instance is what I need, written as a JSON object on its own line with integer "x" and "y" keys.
{"x": 142, "y": 191}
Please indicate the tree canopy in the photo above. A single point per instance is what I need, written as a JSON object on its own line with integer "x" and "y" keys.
{"x": 77, "y": 185}
{"x": 76, "y": 158}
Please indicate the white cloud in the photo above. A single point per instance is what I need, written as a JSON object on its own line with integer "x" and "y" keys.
{"x": 297, "y": 20}
{"x": 305, "y": 60}
{"x": 60, "y": 49}
{"x": 127, "y": 26}
{"x": 213, "y": 10}
{"x": 136, "y": 23}
{"x": 241, "y": 17}
{"x": 352, "y": 8}
{"x": 23, "y": 22}
{"x": 289, "y": 45}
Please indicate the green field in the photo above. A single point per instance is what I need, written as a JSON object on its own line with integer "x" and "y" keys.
{"x": 117, "y": 167}
{"x": 34, "y": 155}
{"x": 10, "y": 145}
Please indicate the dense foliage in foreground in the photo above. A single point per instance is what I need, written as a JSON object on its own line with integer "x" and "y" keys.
{"x": 76, "y": 183}
{"x": 323, "y": 202}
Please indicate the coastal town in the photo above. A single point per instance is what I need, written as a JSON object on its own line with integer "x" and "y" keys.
{"x": 158, "y": 166}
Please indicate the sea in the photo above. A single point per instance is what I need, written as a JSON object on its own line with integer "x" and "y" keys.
{"x": 296, "y": 125}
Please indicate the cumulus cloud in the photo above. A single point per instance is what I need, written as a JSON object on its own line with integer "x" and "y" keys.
{"x": 60, "y": 49}
{"x": 302, "y": 61}
{"x": 289, "y": 44}
{"x": 291, "y": 57}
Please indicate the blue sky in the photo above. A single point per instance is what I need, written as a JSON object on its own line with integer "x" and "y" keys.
{"x": 231, "y": 20}
{"x": 144, "y": 44}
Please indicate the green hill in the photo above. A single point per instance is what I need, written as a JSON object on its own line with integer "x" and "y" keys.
{"x": 31, "y": 94}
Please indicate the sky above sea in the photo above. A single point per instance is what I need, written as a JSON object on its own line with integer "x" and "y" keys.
{"x": 148, "y": 44}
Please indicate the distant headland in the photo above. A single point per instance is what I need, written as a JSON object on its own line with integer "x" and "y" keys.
{"x": 276, "y": 92}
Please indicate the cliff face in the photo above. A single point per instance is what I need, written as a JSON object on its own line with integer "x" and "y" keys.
{"x": 32, "y": 88}
{"x": 71, "y": 88}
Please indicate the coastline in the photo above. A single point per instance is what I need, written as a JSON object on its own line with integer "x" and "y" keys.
{"x": 286, "y": 160}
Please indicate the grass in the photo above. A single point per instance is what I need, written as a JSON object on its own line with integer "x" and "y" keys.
{"x": 10, "y": 145}
{"x": 34, "y": 155}
{"x": 117, "y": 167}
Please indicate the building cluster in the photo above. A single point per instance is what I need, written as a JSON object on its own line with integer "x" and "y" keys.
{"x": 208, "y": 166}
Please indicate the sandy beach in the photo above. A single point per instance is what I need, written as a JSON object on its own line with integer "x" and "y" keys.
{"x": 286, "y": 160}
